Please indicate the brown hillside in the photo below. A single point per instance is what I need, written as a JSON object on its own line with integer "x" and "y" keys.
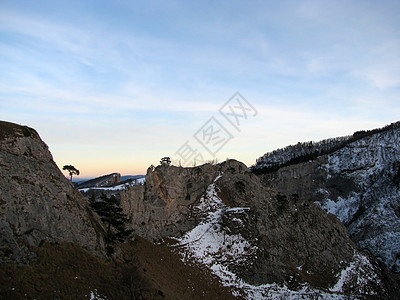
{"x": 147, "y": 271}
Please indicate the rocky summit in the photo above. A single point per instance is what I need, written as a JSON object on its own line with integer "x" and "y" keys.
{"x": 289, "y": 228}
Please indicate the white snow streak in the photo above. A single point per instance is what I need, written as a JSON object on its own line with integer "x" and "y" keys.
{"x": 94, "y": 295}
{"x": 209, "y": 245}
{"x": 359, "y": 273}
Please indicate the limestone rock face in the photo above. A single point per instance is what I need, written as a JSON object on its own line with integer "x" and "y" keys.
{"x": 287, "y": 231}
{"x": 161, "y": 207}
{"x": 358, "y": 183}
{"x": 37, "y": 203}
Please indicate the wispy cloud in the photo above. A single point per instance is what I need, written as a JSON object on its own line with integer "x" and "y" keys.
{"x": 382, "y": 64}
{"x": 147, "y": 76}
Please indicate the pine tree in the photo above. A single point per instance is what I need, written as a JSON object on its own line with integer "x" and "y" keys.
{"x": 71, "y": 170}
{"x": 115, "y": 220}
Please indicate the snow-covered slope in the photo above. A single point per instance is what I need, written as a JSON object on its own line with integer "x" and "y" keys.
{"x": 360, "y": 184}
{"x": 214, "y": 245}
{"x": 302, "y": 152}
{"x": 371, "y": 211}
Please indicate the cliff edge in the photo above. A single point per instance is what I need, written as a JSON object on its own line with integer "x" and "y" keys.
{"x": 37, "y": 203}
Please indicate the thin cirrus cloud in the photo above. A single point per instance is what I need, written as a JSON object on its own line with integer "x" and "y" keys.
{"x": 384, "y": 67}
{"x": 105, "y": 54}
{"x": 147, "y": 76}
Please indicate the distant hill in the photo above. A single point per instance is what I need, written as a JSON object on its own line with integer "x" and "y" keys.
{"x": 303, "y": 152}
{"x": 102, "y": 181}
{"x": 132, "y": 177}
{"x": 111, "y": 184}
{"x": 108, "y": 180}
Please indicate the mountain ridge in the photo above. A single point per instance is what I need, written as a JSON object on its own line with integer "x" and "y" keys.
{"x": 359, "y": 183}
{"x": 220, "y": 222}
{"x": 305, "y": 151}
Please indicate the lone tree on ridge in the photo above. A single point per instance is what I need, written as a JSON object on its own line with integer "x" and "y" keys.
{"x": 72, "y": 170}
{"x": 165, "y": 161}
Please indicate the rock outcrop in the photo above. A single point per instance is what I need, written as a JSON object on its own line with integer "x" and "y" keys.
{"x": 360, "y": 184}
{"x": 37, "y": 203}
{"x": 161, "y": 207}
{"x": 256, "y": 240}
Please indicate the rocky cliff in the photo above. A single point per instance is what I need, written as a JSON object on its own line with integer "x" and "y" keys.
{"x": 213, "y": 223}
{"x": 161, "y": 207}
{"x": 37, "y": 203}
{"x": 360, "y": 184}
{"x": 258, "y": 242}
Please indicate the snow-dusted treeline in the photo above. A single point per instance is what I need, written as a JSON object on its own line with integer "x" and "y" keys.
{"x": 306, "y": 151}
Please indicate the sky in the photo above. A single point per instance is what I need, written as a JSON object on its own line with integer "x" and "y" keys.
{"x": 114, "y": 86}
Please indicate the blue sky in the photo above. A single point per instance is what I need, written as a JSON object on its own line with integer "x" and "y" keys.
{"x": 113, "y": 86}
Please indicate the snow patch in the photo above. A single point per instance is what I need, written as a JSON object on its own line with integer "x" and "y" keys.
{"x": 360, "y": 273}
{"x": 343, "y": 208}
{"x": 212, "y": 246}
{"x": 94, "y": 295}
{"x": 208, "y": 240}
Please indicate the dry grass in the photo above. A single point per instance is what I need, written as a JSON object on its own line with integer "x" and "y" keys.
{"x": 63, "y": 272}
{"x": 146, "y": 271}
{"x": 174, "y": 278}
